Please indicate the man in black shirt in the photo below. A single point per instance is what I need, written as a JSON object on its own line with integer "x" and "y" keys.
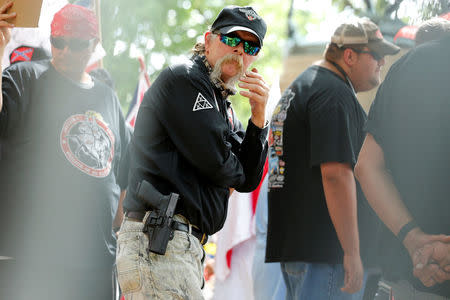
{"x": 432, "y": 29}
{"x": 317, "y": 131}
{"x": 63, "y": 135}
{"x": 403, "y": 169}
{"x": 188, "y": 141}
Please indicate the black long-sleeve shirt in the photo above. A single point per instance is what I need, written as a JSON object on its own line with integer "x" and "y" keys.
{"x": 186, "y": 142}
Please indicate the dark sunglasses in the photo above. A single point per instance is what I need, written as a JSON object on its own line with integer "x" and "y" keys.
{"x": 75, "y": 45}
{"x": 375, "y": 56}
{"x": 233, "y": 41}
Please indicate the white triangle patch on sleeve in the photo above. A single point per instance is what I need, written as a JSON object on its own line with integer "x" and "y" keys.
{"x": 201, "y": 103}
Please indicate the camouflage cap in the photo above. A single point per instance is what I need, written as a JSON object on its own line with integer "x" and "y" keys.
{"x": 363, "y": 32}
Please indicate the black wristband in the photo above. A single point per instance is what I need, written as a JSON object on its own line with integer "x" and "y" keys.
{"x": 405, "y": 229}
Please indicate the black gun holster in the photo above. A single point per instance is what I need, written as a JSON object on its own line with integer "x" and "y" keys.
{"x": 157, "y": 232}
{"x": 158, "y": 221}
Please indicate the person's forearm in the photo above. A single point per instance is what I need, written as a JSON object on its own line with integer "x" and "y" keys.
{"x": 119, "y": 214}
{"x": 1, "y": 92}
{"x": 1, "y": 82}
{"x": 379, "y": 188}
{"x": 384, "y": 198}
{"x": 340, "y": 194}
{"x": 5, "y": 34}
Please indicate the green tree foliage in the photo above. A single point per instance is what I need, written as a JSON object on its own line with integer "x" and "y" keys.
{"x": 388, "y": 9}
{"x": 374, "y": 9}
{"x": 432, "y": 8}
{"x": 163, "y": 31}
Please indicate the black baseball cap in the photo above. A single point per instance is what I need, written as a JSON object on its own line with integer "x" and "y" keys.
{"x": 245, "y": 18}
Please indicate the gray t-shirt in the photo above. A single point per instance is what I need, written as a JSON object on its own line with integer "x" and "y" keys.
{"x": 61, "y": 146}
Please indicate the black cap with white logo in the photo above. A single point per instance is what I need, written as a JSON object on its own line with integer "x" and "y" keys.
{"x": 234, "y": 18}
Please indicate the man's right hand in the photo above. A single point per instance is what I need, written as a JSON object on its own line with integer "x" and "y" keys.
{"x": 258, "y": 94}
{"x": 354, "y": 274}
{"x": 5, "y": 26}
{"x": 441, "y": 254}
{"x": 432, "y": 263}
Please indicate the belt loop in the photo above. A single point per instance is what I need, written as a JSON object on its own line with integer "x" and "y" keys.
{"x": 147, "y": 213}
{"x": 204, "y": 239}
{"x": 190, "y": 228}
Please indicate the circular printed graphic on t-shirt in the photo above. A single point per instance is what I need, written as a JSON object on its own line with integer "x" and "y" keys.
{"x": 88, "y": 143}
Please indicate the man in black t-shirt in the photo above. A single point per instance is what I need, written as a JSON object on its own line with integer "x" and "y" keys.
{"x": 403, "y": 169}
{"x": 316, "y": 132}
{"x": 432, "y": 29}
{"x": 63, "y": 135}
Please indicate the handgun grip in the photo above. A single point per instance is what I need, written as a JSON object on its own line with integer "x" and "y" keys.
{"x": 146, "y": 192}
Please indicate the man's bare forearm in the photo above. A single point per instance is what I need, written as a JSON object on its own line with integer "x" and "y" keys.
{"x": 340, "y": 193}
{"x": 1, "y": 92}
{"x": 5, "y": 34}
{"x": 378, "y": 186}
{"x": 2, "y": 50}
{"x": 119, "y": 214}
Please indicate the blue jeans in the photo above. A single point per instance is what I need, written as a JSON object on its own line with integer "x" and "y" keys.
{"x": 306, "y": 281}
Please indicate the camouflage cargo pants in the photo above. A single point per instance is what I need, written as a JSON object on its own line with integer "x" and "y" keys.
{"x": 176, "y": 275}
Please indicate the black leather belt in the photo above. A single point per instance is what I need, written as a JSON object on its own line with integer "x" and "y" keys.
{"x": 202, "y": 237}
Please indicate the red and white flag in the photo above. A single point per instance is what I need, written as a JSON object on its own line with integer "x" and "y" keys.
{"x": 141, "y": 88}
{"x": 238, "y": 228}
{"x": 236, "y": 247}
{"x": 236, "y": 241}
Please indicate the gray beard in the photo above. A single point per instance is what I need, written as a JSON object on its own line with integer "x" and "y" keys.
{"x": 216, "y": 73}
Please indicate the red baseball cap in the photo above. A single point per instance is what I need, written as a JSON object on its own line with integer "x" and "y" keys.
{"x": 75, "y": 21}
